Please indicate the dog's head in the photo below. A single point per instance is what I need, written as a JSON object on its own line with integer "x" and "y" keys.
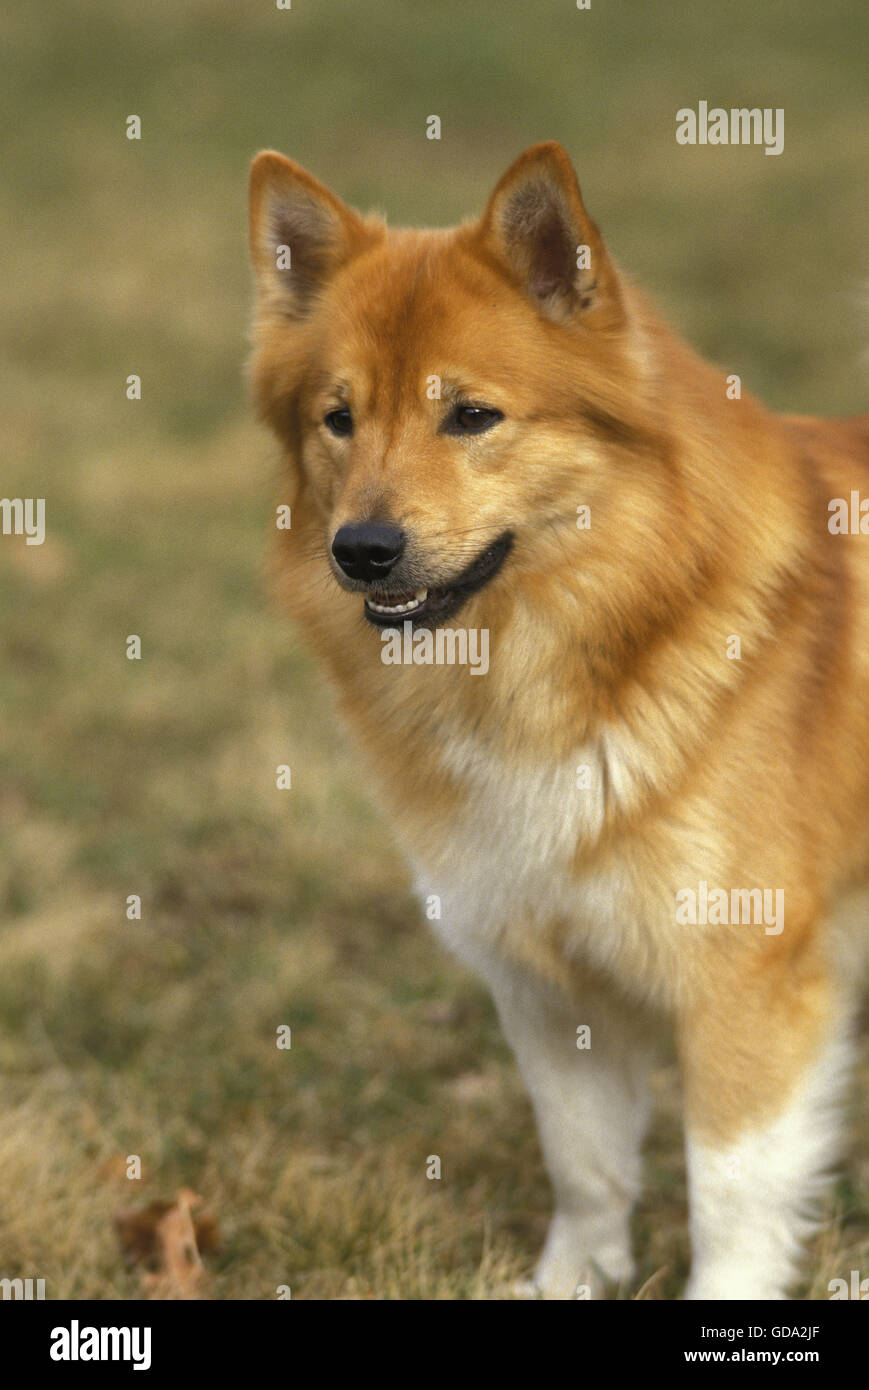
{"x": 449, "y": 400}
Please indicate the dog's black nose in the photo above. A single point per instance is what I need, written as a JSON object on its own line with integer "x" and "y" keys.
{"x": 368, "y": 549}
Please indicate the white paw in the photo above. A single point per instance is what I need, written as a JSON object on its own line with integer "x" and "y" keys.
{"x": 724, "y": 1284}
{"x": 580, "y": 1263}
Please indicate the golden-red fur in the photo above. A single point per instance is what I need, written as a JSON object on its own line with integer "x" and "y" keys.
{"x": 709, "y": 521}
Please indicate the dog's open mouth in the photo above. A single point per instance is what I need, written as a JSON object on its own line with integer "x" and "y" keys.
{"x": 433, "y": 605}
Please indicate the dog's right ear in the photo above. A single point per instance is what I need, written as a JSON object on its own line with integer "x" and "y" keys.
{"x": 300, "y": 234}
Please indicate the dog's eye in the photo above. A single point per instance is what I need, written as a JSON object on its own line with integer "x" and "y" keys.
{"x": 339, "y": 421}
{"x": 471, "y": 419}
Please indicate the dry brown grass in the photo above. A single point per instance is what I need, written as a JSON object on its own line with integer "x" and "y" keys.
{"x": 157, "y": 777}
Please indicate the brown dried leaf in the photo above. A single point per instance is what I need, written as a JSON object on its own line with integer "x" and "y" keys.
{"x": 166, "y": 1237}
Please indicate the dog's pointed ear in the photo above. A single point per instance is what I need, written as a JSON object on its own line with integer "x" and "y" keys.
{"x": 536, "y": 224}
{"x": 300, "y": 233}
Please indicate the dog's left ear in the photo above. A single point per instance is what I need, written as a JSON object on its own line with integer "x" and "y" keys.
{"x": 537, "y": 224}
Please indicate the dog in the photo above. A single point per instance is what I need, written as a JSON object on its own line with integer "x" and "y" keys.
{"x": 653, "y": 803}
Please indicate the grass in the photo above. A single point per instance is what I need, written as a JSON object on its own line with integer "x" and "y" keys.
{"x": 263, "y": 907}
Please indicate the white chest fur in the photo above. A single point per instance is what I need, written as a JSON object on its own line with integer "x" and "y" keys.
{"x": 505, "y": 864}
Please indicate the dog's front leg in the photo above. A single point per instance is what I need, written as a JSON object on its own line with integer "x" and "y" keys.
{"x": 591, "y": 1103}
{"x": 764, "y": 1073}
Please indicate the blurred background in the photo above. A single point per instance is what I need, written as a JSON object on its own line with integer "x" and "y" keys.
{"x": 156, "y": 777}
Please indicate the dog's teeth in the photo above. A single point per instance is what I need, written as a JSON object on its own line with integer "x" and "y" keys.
{"x": 420, "y": 597}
